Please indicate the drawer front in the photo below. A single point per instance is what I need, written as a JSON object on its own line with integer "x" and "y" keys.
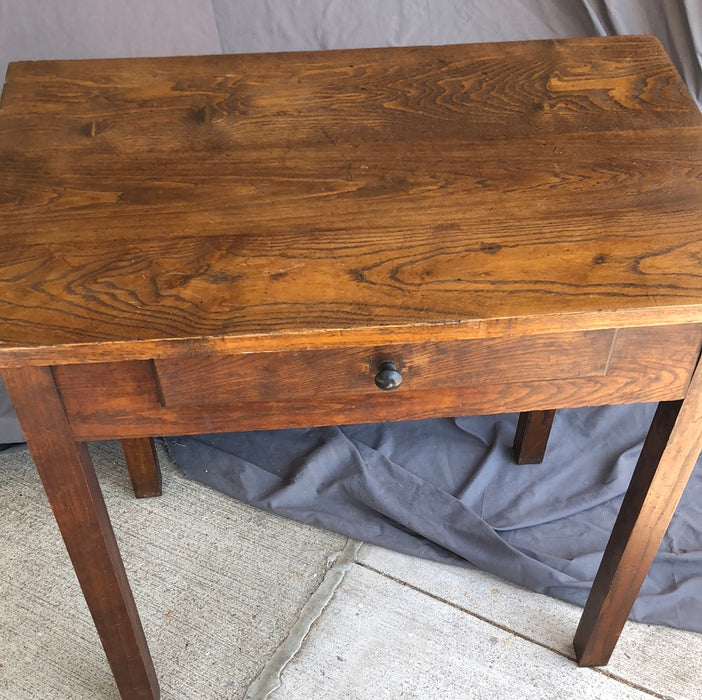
{"x": 338, "y": 372}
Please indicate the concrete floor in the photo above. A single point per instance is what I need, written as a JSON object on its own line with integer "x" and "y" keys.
{"x": 237, "y": 603}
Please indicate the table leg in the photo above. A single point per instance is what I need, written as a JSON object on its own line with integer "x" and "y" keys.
{"x": 531, "y": 437}
{"x": 667, "y": 459}
{"x": 142, "y": 463}
{"x": 71, "y": 486}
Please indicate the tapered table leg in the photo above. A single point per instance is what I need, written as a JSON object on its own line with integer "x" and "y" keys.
{"x": 531, "y": 438}
{"x": 142, "y": 463}
{"x": 666, "y": 462}
{"x": 67, "y": 474}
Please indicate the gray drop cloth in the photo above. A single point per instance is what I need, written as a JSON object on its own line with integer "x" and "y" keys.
{"x": 448, "y": 490}
{"x": 444, "y": 489}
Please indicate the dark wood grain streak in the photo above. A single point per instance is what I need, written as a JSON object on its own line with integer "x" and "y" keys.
{"x": 69, "y": 480}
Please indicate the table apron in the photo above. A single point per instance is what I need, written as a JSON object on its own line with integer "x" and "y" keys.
{"x": 256, "y": 391}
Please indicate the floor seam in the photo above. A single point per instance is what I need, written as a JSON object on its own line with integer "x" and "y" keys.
{"x": 520, "y": 635}
{"x": 270, "y": 677}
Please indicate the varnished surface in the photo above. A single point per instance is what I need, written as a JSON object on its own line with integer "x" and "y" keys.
{"x": 160, "y": 207}
{"x": 343, "y": 372}
{"x": 126, "y": 399}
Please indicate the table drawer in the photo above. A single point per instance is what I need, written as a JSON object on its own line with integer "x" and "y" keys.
{"x": 302, "y": 374}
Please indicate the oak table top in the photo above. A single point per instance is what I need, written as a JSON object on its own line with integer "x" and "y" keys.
{"x": 213, "y": 243}
{"x": 153, "y": 207}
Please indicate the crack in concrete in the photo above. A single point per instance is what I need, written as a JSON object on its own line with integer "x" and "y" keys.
{"x": 269, "y": 679}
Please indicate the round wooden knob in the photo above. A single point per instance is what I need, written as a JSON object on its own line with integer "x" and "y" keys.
{"x": 388, "y": 378}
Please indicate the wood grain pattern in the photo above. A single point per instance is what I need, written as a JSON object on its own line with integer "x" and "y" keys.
{"x": 67, "y": 474}
{"x": 160, "y": 207}
{"x": 663, "y": 350}
{"x": 549, "y": 83}
{"x": 116, "y": 419}
{"x": 342, "y": 372}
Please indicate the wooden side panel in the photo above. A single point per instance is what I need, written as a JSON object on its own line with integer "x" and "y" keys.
{"x": 105, "y": 386}
{"x": 670, "y": 350}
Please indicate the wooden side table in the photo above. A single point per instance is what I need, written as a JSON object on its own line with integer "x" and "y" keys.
{"x": 234, "y": 242}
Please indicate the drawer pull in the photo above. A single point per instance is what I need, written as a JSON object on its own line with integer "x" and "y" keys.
{"x": 388, "y": 378}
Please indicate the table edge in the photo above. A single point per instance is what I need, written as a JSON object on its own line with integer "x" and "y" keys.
{"x": 370, "y": 336}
